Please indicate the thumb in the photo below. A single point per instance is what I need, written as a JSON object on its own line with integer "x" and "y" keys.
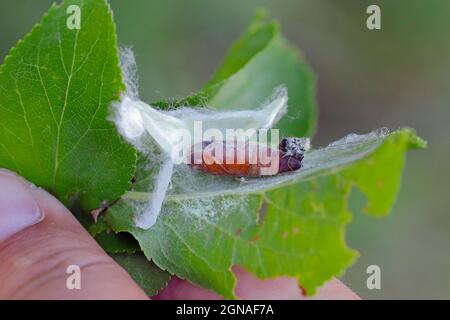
{"x": 40, "y": 239}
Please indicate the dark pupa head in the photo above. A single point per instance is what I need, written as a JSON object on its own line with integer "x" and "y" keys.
{"x": 293, "y": 147}
{"x": 292, "y": 153}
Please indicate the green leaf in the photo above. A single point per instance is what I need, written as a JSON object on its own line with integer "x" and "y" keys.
{"x": 291, "y": 224}
{"x": 256, "y": 63}
{"x": 259, "y": 61}
{"x": 117, "y": 242}
{"x": 55, "y": 89}
{"x": 149, "y": 277}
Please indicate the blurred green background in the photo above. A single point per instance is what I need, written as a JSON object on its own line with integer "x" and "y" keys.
{"x": 397, "y": 76}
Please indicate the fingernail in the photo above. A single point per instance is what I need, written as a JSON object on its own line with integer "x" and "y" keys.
{"x": 18, "y": 208}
